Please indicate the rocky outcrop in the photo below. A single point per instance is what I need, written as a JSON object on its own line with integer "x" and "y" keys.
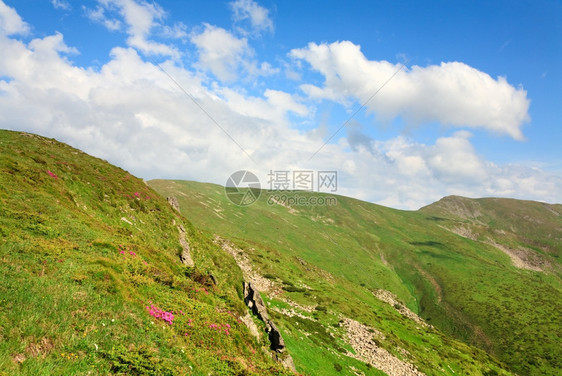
{"x": 185, "y": 256}
{"x": 173, "y": 203}
{"x": 244, "y": 262}
{"x": 286, "y": 360}
{"x": 275, "y": 338}
{"x": 254, "y": 301}
{"x": 251, "y": 325}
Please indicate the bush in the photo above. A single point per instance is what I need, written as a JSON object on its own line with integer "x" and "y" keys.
{"x": 136, "y": 361}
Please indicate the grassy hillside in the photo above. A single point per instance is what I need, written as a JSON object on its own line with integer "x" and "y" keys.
{"x": 466, "y": 286}
{"x": 91, "y": 280}
{"x": 90, "y": 275}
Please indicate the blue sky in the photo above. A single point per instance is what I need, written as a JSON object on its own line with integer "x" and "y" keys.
{"x": 474, "y": 111}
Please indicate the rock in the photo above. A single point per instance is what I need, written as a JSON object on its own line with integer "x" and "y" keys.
{"x": 277, "y": 342}
{"x": 185, "y": 256}
{"x": 286, "y": 361}
{"x": 247, "y": 320}
{"x": 173, "y": 203}
{"x": 254, "y": 301}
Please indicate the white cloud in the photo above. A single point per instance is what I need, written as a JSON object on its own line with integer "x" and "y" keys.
{"x": 221, "y": 52}
{"x": 253, "y": 12}
{"x": 98, "y": 15}
{"x": 453, "y": 160}
{"x": 453, "y": 94}
{"x": 131, "y": 114}
{"x": 10, "y": 21}
{"x": 226, "y": 56}
{"x": 61, "y": 4}
{"x": 140, "y": 18}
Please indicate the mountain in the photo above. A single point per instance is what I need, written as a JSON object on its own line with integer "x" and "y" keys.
{"x": 484, "y": 272}
{"x": 91, "y": 281}
{"x": 103, "y": 273}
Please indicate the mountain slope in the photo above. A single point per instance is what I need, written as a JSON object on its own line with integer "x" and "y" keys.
{"x": 96, "y": 278}
{"x": 529, "y": 232}
{"x": 336, "y": 258}
{"x": 90, "y": 275}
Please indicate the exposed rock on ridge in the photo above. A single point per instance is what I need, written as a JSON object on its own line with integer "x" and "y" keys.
{"x": 254, "y": 301}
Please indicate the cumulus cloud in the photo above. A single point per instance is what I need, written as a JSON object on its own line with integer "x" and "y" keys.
{"x": 400, "y": 172}
{"x": 227, "y": 56}
{"x": 453, "y": 94}
{"x": 130, "y": 113}
{"x": 221, "y": 52}
{"x": 140, "y": 18}
{"x": 11, "y": 22}
{"x": 258, "y": 16}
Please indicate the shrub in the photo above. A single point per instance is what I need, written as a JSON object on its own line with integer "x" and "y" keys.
{"x": 136, "y": 361}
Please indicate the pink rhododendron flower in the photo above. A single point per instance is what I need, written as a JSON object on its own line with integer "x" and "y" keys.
{"x": 156, "y": 312}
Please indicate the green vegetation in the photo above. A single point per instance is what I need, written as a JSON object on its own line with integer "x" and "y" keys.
{"x": 90, "y": 275}
{"x": 334, "y": 256}
{"x": 91, "y": 280}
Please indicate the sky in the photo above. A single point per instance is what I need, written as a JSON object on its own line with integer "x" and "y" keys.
{"x": 407, "y": 101}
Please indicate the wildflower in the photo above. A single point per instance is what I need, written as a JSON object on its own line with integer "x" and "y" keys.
{"x": 132, "y": 253}
{"x": 52, "y": 174}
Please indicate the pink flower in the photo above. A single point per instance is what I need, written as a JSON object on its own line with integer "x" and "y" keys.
{"x": 132, "y": 253}
{"x": 122, "y": 252}
{"x": 52, "y": 174}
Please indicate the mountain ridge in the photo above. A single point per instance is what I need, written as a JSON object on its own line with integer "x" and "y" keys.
{"x": 94, "y": 280}
{"x": 413, "y": 246}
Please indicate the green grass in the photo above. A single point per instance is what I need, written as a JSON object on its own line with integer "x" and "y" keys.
{"x": 85, "y": 247}
{"x": 465, "y": 288}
